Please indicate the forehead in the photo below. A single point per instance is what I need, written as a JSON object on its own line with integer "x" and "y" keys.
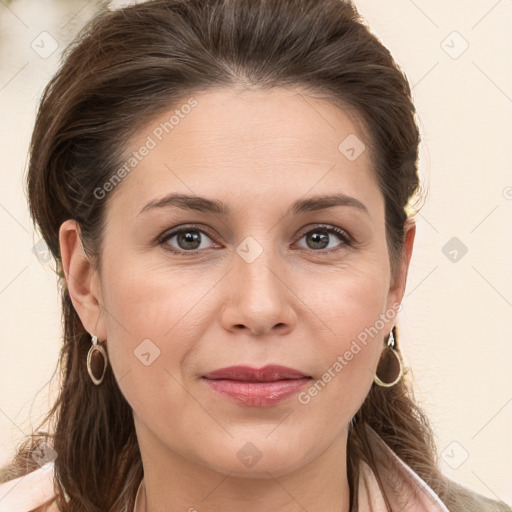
{"x": 265, "y": 142}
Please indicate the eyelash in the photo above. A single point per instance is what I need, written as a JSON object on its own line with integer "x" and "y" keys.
{"x": 341, "y": 233}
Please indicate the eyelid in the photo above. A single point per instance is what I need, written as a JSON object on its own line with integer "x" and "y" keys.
{"x": 342, "y": 233}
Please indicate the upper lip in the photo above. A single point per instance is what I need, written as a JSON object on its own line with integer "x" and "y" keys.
{"x": 268, "y": 373}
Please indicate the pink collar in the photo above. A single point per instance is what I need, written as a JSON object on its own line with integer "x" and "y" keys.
{"x": 403, "y": 488}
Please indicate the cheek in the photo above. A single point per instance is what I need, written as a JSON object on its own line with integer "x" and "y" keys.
{"x": 149, "y": 337}
{"x": 154, "y": 319}
{"x": 352, "y": 302}
{"x": 148, "y": 299}
{"x": 349, "y": 347}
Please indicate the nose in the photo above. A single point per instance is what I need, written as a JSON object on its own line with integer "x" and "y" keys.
{"x": 258, "y": 297}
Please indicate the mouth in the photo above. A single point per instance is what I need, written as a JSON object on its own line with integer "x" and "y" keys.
{"x": 269, "y": 373}
{"x": 248, "y": 386}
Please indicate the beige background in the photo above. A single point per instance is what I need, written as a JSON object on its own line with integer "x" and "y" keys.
{"x": 455, "y": 326}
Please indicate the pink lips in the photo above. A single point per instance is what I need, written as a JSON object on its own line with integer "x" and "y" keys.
{"x": 256, "y": 387}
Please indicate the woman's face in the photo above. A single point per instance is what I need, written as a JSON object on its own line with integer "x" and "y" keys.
{"x": 265, "y": 281}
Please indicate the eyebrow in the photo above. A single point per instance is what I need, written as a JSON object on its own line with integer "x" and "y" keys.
{"x": 202, "y": 204}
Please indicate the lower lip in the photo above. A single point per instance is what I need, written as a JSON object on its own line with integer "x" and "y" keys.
{"x": 258, "y": 394}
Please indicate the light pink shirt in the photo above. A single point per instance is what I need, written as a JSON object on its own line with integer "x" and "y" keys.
{"x": 405, "y": 490}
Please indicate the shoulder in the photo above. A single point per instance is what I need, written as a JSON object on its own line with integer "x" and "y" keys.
{"x": 408, "y": 491}
{"x": 477, "y": 502}
{"x": 30, "y": 491}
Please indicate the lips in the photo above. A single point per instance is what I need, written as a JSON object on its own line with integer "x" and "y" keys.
{"x": 268, "y": 373}
{"x": 255, "y": 387}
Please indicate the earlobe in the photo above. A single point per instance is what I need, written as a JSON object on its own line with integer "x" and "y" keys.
{"x": 81, "y": 278}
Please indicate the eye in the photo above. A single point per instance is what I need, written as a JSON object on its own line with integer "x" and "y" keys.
{"x": 188, "y": 238}
{"x": 318, "y": 238}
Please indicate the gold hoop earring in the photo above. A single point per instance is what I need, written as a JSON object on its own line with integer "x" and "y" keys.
{"x": 390, "y": 368}
{"x": 96, "y": 361}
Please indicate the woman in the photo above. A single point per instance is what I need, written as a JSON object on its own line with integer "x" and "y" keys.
{"x": 224, "y": 186}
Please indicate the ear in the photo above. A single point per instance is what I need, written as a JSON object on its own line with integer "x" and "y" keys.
{"x": 82, "y": 279}
{"x": 397, "y": 290}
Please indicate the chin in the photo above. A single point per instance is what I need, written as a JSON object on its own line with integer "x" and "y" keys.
{"x": 258, "y": 460}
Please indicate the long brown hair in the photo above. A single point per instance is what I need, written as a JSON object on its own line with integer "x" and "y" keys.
{"x": 124, "y": 68}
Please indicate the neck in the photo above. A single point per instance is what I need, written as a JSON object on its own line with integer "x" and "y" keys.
{"x": 318, "y": 486}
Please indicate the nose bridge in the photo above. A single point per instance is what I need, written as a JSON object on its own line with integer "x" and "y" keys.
{"x": 256, "y": 267}
{"x": 259, "y": 297}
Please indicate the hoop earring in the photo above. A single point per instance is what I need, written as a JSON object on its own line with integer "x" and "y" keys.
{"x": 390, "y": 369}
{"x": 96, "y": 361}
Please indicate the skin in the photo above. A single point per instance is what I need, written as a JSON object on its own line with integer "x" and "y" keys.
{"x": 294, "y": 305}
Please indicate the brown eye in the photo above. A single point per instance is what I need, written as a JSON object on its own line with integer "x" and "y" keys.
{"x": 319, "y": 238}
{"x": 188, "y": 239}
